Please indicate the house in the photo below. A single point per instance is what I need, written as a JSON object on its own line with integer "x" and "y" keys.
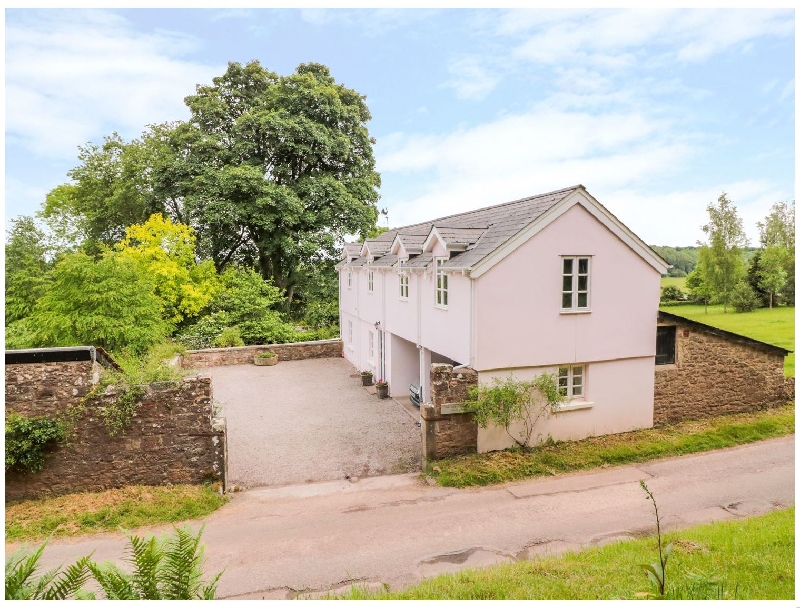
{"x": 550, "y": 283}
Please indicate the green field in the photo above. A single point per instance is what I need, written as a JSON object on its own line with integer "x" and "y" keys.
{"x": 748, "y": 559}
{"x": 679, "y": 282}
{"x": 774, "y": 326}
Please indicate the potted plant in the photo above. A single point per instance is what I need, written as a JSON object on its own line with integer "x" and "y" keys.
{"x": 366, "y": 378}
{"x": 382, "y": 388}
{"x": 265, "y": 358}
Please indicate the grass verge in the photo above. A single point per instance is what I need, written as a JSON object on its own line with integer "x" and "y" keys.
{"x": 774, "y": 326}
{"x": 743, "y": 559}
{"x": 130, "y": 507}
{"x": 624, "y": 448}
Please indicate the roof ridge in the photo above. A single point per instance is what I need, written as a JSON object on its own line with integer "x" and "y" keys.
{"x": 519, "y": 200}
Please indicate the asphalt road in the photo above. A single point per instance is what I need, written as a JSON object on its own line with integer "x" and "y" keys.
{"x": 281, "y": 542}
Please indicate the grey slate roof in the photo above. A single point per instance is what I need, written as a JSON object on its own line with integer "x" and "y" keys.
{"x": 484, "y": 230}
{"x": 352, "y": 249}
{"x": 387, "y": 260}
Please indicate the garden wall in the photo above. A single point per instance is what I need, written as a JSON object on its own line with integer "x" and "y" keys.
{"x": 171, "y": 438}
{"x": 446, "y": 429}
{"x": 716, "y": 372}
{"x": 239, "y": 355}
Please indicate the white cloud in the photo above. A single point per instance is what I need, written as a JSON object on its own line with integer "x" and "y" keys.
{"x": 470, "y": 79}
{"x": 372, "y": 22}
{"x": 74, "y": 76}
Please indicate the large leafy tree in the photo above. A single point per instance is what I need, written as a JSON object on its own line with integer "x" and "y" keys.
{"x": 721, "y": 257}
{"x": 26, "y": 269}
{"x": 776, "y": 234}
{"x": 280, "y": 164}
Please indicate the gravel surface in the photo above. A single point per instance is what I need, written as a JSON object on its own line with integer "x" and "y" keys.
{"x": 304, "y": 421}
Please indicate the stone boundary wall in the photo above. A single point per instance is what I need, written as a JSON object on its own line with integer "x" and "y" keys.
{"x": 239, "y": 355}
{"x": 713, "y": 375}
{"x": 171, "y": 439}
{"x": 446, "y": 429}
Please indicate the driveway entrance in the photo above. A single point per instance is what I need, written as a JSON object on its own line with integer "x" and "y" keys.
{"x": 305, "y": 421}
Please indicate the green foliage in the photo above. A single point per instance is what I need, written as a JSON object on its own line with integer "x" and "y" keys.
{"x": 229, "y": 337}
{"x": 508, "y": 401}
{"x": 743, "y": 299}
{"x": 162, "y": 570}
{"x": 27, "y": 268}
{"x": 28, "y": 439}
{"x": 244, "y": 302}
{"x": 682, "y": 259}
{"x": 721, "y": 258}
{"x": 165, "y": 251}
{"x": 657, "y": 571}
{"x": 772, "y": 274}
{"x": 672, "y": 294}
{"x": 23, "y": 583}
{"x": 107, "y": 302}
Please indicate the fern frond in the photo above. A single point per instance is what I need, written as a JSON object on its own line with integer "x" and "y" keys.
{"x": 146, "y": 558}
{"x": 115, "y": 583}
{"x": 182, "y": 562}
{"x": 20, "y": 566}
{"x": 70, "y": 581}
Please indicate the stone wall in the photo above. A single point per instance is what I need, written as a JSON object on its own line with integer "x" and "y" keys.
{"x": 171, "y": 438}
{"x": 238, "y": 355}
{"x": 446, "y": 429}
{"x": 715, "y": 374}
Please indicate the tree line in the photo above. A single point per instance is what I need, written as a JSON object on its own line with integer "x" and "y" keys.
{"x": 727, "y": 272}
{"x": 232, "y": 219}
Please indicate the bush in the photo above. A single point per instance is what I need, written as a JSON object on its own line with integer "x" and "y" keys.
{"x": 229, "y": 337}
{"x": 28, "y": 439}
{"x": 670, "y": 293}
{"x": 744, "y": 299}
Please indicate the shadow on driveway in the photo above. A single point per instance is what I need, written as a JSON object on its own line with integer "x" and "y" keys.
{"x": 305, "y": 421}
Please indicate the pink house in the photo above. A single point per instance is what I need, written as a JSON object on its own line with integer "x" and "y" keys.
{"x": 551, "y": 283}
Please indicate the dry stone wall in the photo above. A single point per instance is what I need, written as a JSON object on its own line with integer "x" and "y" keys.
{"x": 239, "y": 355}
{"x": 714, "y": 375}
{"x": 171, "y": 438}
{"x": 446, "y": 429}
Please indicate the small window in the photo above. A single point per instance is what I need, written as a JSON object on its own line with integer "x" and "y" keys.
{"x": 665, "y": 345}
{"x": 571, "y": 381}
{"x": 403, "y": 286}
{"x": 349, "y": 279}
{"x": 349, "y": 332}
{"x": 575, "y": 283}
{"x": 441, "y": 283}
{"x": 370, "y": 282}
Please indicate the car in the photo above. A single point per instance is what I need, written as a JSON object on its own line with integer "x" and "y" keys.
{"x": 415, "y": 392}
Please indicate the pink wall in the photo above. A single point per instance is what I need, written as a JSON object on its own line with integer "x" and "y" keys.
{"x": 518, "y": 301}
{"x": 446, "y": 331}
{"x": 401, "y": 315}
{"x": 621, "y": 394}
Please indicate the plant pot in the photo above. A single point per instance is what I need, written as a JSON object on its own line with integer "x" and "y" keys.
{"x": 265, "y": 360}
{"x": 382, "y": 391}
{"x": 366, "y": 380}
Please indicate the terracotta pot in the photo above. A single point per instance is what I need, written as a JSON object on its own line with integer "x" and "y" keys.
{"x": 265, "y": 360}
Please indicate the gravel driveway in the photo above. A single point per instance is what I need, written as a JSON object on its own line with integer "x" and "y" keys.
{"x": 304, "y": 421}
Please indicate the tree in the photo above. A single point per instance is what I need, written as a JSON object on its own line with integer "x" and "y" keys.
{"x": 108, "y": 303}
{"x": 284, "y": 164}
{"x": 723, "y": 266}
{"x": 27, "y": 268}
{"x": 510, "y": 401}
{"x": 777, "y": 236}
{"x": 671, "y": 293}
{"x": 771, "y": 274}
{"x": 696, "y": 283}
{"x": 165, "y": 251}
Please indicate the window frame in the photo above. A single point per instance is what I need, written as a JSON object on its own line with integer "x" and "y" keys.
{"x": 370, "y": 281}
{"x": 672, "y": 356}
{"x": 575, "y": 276}
{"x": 349, "y": 279}
{"x": 570, "y": 376}
{"x": 441, "y": 286}
{"x": 404, "y": 286}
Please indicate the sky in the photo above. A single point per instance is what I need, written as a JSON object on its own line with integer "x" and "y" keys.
{"x": 655, "y": 112}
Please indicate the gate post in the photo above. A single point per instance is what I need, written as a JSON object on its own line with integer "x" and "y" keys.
{"x": 447, "y": 429}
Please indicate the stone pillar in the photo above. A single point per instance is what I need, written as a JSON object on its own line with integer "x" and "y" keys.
{"x": 447, "y": 430}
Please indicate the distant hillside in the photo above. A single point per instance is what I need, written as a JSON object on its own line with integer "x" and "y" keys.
{"x": 684, "y": 259}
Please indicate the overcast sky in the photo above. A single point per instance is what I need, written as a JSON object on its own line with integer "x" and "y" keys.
{"x": 655, "y": 112}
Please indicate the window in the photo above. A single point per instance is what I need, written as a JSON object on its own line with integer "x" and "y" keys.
{"x": 371, "y": 346}
{"x": 575, "y": 283}
{"x": 441, "y": 283}
{"x": 665, "y": 345}
{"x": 349, "y": 279}
{"x": 404, "y": 286}
{"x": 571, "y": 381}
{"x": 370, "y": 282}
{"x": 350, "y": 332}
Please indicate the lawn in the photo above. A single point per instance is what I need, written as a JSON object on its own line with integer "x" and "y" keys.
{"x": 748, "y": 559}
{"x": 624, "y": 448}
{"x": 87, "y": 513}
{"x": 679, "y": 282}
{"x": 774, "y": 326}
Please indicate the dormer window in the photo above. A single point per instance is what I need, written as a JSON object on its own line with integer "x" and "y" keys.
{"x": 349, "y": 279}
{"x": 404, "y": 287}
{"x": 441, "y": 283}
{"x": 370, "y": 281}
